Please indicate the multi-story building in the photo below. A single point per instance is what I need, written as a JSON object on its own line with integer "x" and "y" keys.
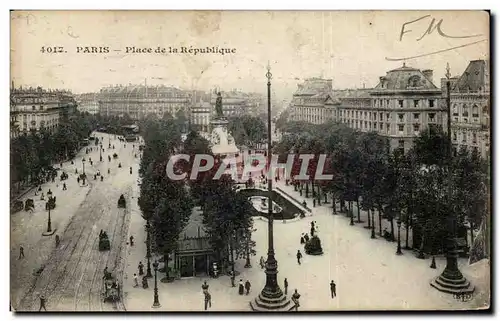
{"x": 313, "y": 102}
{"x": 88, "y": 103}
{"x": 200, "y": 116}
{"x": 470, "y": 108}
{"x": 139, "y": 101}
{"x": 404, "y": 102}
{"x": 36, "y": 108}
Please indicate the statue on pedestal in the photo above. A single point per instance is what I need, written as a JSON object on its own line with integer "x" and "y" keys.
{"x": 218, "y": 106}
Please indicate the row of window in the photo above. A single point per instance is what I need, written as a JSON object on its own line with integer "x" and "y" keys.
{"x": 465, "y": 136}
{"x": 465, "y": 110}
{"x": 416, "y": 103}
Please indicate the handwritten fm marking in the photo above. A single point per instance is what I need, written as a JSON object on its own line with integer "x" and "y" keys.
{"x": 433, "y": 26}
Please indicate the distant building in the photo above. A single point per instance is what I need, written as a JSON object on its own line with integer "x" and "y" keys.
{"x": 312, "y": 102}
{"x": 37, "y": 108}
{"x": 200, "y": 116}
{"x": 88, "y": 103}
{"x": 470, "y": 108}
{"x": 139, "y": 101}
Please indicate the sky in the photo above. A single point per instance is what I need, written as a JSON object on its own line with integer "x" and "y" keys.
{"x": 350, "y": 47}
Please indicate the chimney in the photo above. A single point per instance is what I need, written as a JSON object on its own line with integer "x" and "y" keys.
{"x": 428, "y": 74}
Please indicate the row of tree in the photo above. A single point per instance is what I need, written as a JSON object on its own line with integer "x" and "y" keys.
{"x": 247, "y": 130}
{"x": 167, "y": 204}
{"x": 32, "y": 154}
{"x": 421, "y": 187}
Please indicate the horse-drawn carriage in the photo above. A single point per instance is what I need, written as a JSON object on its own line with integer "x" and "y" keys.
{"x": 111, "y": 289}
{"x": 121, "y": 202}
{"x": 104, "y": 244}
{"x": 64, "y": 176}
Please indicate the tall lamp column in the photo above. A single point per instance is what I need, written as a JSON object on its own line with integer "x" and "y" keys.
{"x": 156, "y": 303}
{"x": 271, "y": 298}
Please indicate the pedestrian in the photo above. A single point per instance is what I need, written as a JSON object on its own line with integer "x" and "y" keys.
{"x": 312, "y": 231}
{"x": 144, "y": 282}
{"x": 286, "y": 286}
{"x": 78, "y": 180}
{"x": 247, "y": 286}
{"x": 232, "y": 280}
{"x": 42, "y": 303}
{"x": 131, "y": 240}
{"x": 21, "y": 252}
{"x": 333, "y": 287}
{"x": 299, "y": 256}
{"x": 295, "y": 299}
{"x": 42, "y": 198}
{"x": 204, "y": 287}
{"x": 302, "y": 240}
{"x": 241, "y": 287}
{"x": 262, "y": 262}
{"x": 58, "y": 240}
{"x": 208, "y": 300}
{"x": 141, "y": 268}
{"x": 136, "y": 284}
{"x": 64, "y": 187}
{"x": 105, "y": 272}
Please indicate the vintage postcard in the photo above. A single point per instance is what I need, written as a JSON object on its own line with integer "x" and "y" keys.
{"x": 250, "y": 161}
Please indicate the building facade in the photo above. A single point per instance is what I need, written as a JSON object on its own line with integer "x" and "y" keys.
{"x": 200, "y": 116}
{"x": 139, "y": 101}
{"x": 37, "y": 108}
{"x": 470, "y": 108}
{"x": 313, "y": 102}
{"x": 404, "y": 102}
{"x": 88, "y": 103}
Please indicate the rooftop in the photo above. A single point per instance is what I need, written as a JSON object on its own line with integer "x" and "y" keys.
{"x": 406, "y": 78}
{"x": 475, "y": 77}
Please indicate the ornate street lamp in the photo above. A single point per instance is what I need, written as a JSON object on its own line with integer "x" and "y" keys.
{"x": 271, "y": 298}
{"x": 148, "y": 250}
{"x": 451, "y": 280}
{"x": 398, "y": 251}
{"x": 49, "y": 223}
{"x": 156, "y": 303}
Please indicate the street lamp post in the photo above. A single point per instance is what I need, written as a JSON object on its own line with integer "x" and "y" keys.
{"x": 271, "y": 298}
{"x": 398, "y": 251}
{"x": 156, "y": 303}
{"x": 148, "y": 251}
{"x": 83, "y": 171}
{"x": 451, "y": 280}
{"x": 49, "y": 223}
